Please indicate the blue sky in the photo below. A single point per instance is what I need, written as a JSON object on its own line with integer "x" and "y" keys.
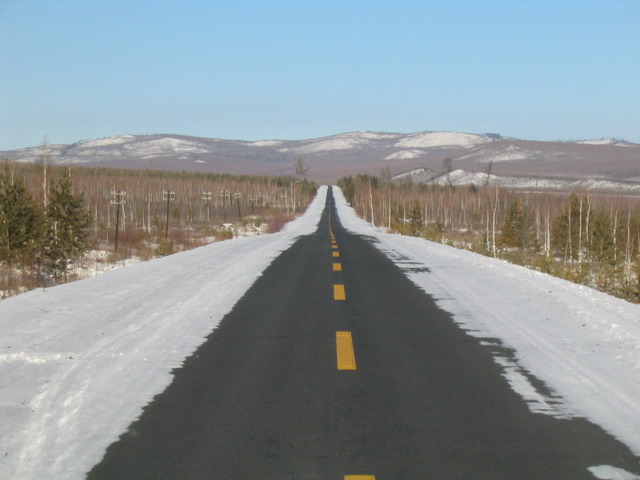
{"x": 254, "y": 70}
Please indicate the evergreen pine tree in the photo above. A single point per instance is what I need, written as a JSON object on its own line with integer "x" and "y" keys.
{"x": 519, "y": 226}
{"x": 601, "y": 232}
{"x": 21, "y": 222}
{"x": 67, "y": 224}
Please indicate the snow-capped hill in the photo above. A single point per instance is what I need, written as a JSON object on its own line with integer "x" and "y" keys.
{"x": 402, "y": 154}
{"x": 606, "y": 141}
{"x": 418, "y": 174}
{"x": 338, "y": 142}
{"x": 342, "y": 141}
{"x": 265, "y": 143}
{"x": 460, "y": 177}
{"x": 161, "y": 146}
{"x": 105, "y": 142}
{"x": 376, "y": 135}
{"x": 351, "y": 153}
{"x": 442, "y": 139}
{"x": 504, "y": 152}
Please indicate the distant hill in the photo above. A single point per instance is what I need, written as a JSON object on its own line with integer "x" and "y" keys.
{"x": 358, "y": 152}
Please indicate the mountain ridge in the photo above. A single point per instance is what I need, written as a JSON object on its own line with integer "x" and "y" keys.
{"x": 369, "y": 152}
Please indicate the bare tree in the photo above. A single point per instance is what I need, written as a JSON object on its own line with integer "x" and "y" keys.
{"x": 447, "y": 165}
{"x": 44, "y": 157}
{"x": 488, "y": 172}
{"x": 301, "y": 167}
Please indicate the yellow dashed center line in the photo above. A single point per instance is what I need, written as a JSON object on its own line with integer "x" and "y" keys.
{"x": 337, "y": 267}
{"x": 336, "y": 254}
{"x": 334, "y": 246}
{"x": 344, "y": 350}
{"x": 359, "y": 477}
{"x": 339, "y": 293}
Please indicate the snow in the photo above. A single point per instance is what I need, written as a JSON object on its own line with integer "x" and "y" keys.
{"x": 405, "y": 154}
{"x": 165, "y": 146}
{"x": 375, "y": 135}
{"x": 508, "y": 153}
{"x": 265, "y": 143}
{"x": 334, "y": 143}
{"x": 606, "y": 141}
{"x": 461, "y": 177}
{"x": 343, "y": 141}
{"x": 582, "y": 344}
{"x": 420, "y": 173}
{"x": 441, "y": 139}
{"x": 105, "y": 142}
{"x": 78, "y": 362}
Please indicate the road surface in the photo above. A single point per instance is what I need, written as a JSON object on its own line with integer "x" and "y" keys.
{"x": 335, "y": 366}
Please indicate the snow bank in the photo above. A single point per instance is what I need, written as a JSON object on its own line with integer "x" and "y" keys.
{"x": 78, "y": 362}
{"x": 583, "y": 344}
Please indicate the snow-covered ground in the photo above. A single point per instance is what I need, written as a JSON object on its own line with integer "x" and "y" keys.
{"x": 78, "y": 362}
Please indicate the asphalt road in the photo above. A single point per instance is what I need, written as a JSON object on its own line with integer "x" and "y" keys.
{"x": 306, "y": 380}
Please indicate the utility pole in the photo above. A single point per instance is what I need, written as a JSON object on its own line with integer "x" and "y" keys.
{"x": 117, "y": 200}
{"x": 206, "y": 196}
{"x": 169, "y": 196}
{"x": 238, "y": 197}
{"x": 224, "y": 194}
{"x": 45, "y": 159}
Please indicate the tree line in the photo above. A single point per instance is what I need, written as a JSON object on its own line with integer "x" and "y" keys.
{"x": 43, "y": 238}
{"x": 52, "y": 216}
{"x": 587, "y": 237}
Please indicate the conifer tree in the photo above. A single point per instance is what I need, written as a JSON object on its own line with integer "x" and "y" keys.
{"x": 67, "y": 224}
{"x": 416, "y": 217}
{"x": 601, "y": 232}
{"x": 518, "y": 230}
{"x": 21, "y": 223}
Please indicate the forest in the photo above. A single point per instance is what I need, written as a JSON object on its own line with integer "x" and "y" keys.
{"x": 54, "y": 220}
{"x": 586, "y": 237}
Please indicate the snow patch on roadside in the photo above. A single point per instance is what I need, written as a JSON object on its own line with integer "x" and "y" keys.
{"x": 607, "y": 472}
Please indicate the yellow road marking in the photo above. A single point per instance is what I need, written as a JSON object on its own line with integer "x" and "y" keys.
{"x": 359, "y": 477}
{"x": 337, "y": 267}
{"x": 336, "y": 254}
{"x": 334, "y": 246}
{"x": 344, "y": 350}
{"x": 339, "y": 293}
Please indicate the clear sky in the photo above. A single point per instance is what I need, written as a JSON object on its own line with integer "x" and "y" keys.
{"x": 293, "y": 69}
